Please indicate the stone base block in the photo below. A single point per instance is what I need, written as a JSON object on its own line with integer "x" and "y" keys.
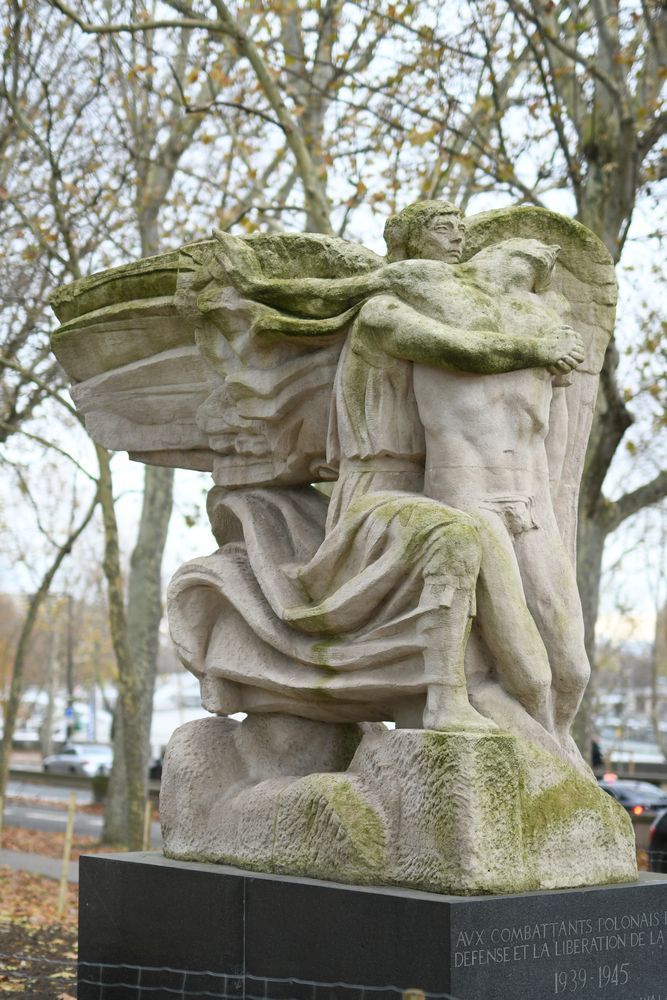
{"x": 455, "y": 812}
{"x": 153, "y": 927}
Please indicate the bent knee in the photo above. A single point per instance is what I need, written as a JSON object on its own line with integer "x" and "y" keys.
{"x": 574, "y": 676}
{"x": 462, "y": 536}
{"x": 537, "y": 688}
{"x": 456, "y": 550}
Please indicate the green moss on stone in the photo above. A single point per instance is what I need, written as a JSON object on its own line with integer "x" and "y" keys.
{"x": 417, "y": 520}
{"x": 320, "y": 653}
{"x": 558, "y": 803}
{"x": 358, "y": 821}
{"x": 151, "y": 277}
{"x": 473, "y": 783}
{"x": 562, "y": 803}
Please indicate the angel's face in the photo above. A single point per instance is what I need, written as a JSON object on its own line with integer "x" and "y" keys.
{"x": 442, "y": 238}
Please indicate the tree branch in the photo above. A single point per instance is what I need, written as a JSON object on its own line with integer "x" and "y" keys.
{"x": 316, "y": 200}
{"x": 49, "y": 444}
{"x": 653, "y": 133}
{"x": 589, "y": 64}
{"x": 218, "y": 102}
{"x": 644, "y": 496}
{"x": 6, "y": 363}
{"x": 131, "y": 27}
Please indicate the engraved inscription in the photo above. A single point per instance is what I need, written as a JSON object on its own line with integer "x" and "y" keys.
{"x": 604, "y": 976}
{"x": 604, "y": 944}
{"x": 564, "y": 938}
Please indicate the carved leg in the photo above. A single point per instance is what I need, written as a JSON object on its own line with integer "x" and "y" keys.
{"x": 445, "y": 632}
{"x": 553, "y": 599}
{"x": 451, "y": 559}
{"x": 507, "y": 626}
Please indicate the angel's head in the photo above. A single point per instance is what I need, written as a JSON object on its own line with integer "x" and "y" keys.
{"x": 517, "y": 263}
{"x": 427, "y": 230}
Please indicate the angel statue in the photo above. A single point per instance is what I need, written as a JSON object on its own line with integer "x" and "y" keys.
{"x": 396, "y": 446}
{"x": 447, "y": 432}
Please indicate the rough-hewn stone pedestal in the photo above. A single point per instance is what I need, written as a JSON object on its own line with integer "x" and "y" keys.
{"x": 458, "y": 812}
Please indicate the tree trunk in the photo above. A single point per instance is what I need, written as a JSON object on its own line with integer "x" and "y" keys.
{"x": 127, "y": 791}
{"x": 595, "y": 521}
{"x": 14, "y": 700}
{"x": 145, "y": 591}
{"x": 127, "y": 706}
{"x": 46, "y": 734}
{"x": 128, "y": 785}
{"x": 606, "y": 209}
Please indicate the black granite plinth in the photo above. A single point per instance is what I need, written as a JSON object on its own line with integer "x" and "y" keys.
{"x": 150, "y": 927}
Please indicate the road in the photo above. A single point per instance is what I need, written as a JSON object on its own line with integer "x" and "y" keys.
{"x": 32, "y": 817}
{"x": 52, "y": 792}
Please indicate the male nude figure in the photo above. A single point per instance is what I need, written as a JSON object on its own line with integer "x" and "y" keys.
{"x": 486, "y": 420}
{"x": 479, "y": 327}
{"x": 488, "y": 454}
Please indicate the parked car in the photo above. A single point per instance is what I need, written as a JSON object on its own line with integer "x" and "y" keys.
{"x": 87, "y": 759}
{"x": 155, "y": 769}
{"x": 657, "y": 844}
{"x": 640, "y": 798}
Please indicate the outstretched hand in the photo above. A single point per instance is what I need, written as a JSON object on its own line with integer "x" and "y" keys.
{"x": 563, "y": 350}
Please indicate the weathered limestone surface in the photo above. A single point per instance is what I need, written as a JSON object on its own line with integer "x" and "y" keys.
{"x": 447, "y": 812}
{"x": 441, "y": 400}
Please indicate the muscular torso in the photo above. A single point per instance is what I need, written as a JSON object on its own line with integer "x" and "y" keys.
{"x": 484, "y": 434}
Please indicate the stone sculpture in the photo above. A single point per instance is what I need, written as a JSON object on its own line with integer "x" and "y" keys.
{"x": 447, "y": 394}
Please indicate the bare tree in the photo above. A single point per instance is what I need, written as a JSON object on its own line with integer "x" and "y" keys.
{"x": 536, "y": 101}
{"x": 58, "y": 223}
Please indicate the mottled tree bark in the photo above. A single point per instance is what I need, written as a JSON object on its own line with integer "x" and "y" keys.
{"x": 128, "y": 783}
{"x": 659, "y": 670}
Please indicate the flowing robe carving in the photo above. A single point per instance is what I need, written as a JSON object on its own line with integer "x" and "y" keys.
{"x": 335, "y": 615}
{"x": 339, "y": 600}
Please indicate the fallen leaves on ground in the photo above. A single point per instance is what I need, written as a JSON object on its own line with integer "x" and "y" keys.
{"x": 50, "y": 843}
{"x": 37, "y": 959}
{"x": 37, "y": 948}
{"x": 33, "y": 899}
{"x": 93, "y": 808}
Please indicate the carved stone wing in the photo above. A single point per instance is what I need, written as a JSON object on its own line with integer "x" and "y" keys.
{"x": 270, "y": 314}
{"x": 137, "y": 375}
{"x": 585, "y": 284}
{"x": 175, "y": 361}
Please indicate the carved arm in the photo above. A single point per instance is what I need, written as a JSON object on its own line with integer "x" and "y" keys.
{"x": 406, "y": 333}
{"x": 314, "y": 297}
